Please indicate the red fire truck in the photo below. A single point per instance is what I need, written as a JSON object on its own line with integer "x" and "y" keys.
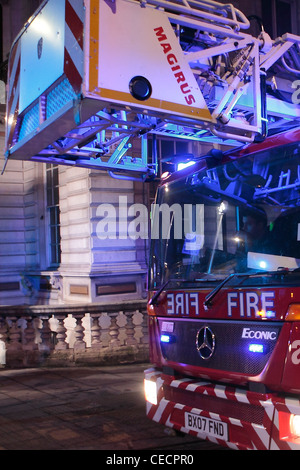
{"x": 225, "y": 299}
{"x": 224, "y": 306}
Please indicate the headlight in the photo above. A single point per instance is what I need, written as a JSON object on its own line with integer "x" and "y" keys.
{"x": 295, "y": 425}
{"x": 289, "y": 427}
{"x": 150, "y": 391}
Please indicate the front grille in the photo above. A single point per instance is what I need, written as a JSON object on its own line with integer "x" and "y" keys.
{"x": 232, "y": 409}
{"x": 232, "y": 341}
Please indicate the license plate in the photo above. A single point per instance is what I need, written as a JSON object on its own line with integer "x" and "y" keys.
{"x": 208, "y": 426}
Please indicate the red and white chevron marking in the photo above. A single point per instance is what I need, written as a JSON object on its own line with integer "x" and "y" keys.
{"x": 242, "y": 434}
{"x": 74, "y": 54}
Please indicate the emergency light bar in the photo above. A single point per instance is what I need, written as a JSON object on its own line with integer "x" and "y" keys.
{"x": 65, "y": 105}
{"x": 256, "y": 348}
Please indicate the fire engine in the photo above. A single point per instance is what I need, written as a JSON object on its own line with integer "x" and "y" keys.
{"x": 86, "y": 78}
{"x": 225, "y": 301}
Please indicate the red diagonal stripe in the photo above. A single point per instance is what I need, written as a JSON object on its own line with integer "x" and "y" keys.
{"x": 166, "y": 413}
{"x": 75, "y": 24}
{"x": 13, "y": 87}
{"x": 12, "y": 58}
{"x": 72, "y": 73}
{"x": 13, "y": 126}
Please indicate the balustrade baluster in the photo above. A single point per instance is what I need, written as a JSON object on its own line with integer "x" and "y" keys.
{"x": 45, "y": 333}
{"x": 3, "y": 329}
{"x": 114, "y": 332}
{"x": 61, "y": 334}
{"x": 15, "y": 335}
{"x": 95, "y": 331}
{"x": 29, "y": 335}
{"x": 130, "y": 329}
{"x": 79, "y": 333}
{"x": 121, "y": 322}
{"x": 105, "y": 322}
{"x": 145, "y": 335}
{"x": 3, "y": 339}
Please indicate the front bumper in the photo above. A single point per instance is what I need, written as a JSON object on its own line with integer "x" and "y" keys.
{"x": 232, "y": 417}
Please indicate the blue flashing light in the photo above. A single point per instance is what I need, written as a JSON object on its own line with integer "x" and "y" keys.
{"x": 256, "y": 348}
{"x": 183, "y": 165}
{"x": 270, "y": 314}
{"x": 165, "y": 338}
{"x": 262, "y": 264}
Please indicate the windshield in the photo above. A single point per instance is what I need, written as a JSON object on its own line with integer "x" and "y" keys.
{"x": 241, "y": 217}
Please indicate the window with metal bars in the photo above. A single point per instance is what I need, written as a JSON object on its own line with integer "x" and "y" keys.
{"x": 53, "y": 212}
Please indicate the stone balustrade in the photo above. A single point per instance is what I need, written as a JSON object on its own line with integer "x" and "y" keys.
{"x": 32, "y": 336}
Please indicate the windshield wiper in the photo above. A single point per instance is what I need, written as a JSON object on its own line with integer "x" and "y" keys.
{"x": 154, "y": 299}
{"x": 208, "y": 299}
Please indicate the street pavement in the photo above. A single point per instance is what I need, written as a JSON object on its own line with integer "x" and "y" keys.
{"x": 81, "y": 408}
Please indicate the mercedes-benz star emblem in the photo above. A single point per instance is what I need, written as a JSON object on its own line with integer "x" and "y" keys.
{"x": 205, "y": 342}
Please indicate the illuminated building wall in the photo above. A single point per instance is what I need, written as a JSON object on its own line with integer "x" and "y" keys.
{"x": 52, "y": 248}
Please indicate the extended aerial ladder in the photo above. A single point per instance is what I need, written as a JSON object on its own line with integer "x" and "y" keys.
{"x": 86, "y": 77}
